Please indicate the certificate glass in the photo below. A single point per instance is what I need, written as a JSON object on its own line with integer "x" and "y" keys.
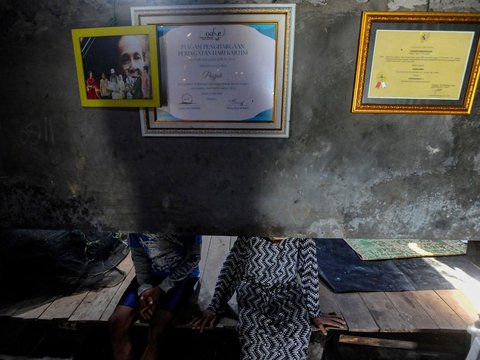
{"x": 417, "y": 63}
{"x": 225, "y": 70}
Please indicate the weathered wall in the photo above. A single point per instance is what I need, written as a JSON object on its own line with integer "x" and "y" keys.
{"x": 338, "y": 175}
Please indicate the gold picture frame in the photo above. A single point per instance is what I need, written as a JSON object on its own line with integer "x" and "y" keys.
{"x": 225, "y": 70}
{"x": 117, "y": 66}
{"x": 417, "y": 62}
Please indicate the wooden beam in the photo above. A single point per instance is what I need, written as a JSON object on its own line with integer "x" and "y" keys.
{"x": 377, "y": 342}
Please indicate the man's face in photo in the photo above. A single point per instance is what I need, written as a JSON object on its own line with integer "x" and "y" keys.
{"x": 132, "y": 54}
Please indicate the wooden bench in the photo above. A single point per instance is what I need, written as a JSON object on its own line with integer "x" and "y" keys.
{"x": 97, "y": 305}
{"x": 375, "y": 312}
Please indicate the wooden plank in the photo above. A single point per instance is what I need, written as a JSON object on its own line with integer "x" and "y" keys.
{"x": 439, "y": 311}
{"x": 118, "y": 295}
{"x": 384, "y": 313}
{"x": 411, "y": 310}
{"x": 95, "y": 303}
{"x": 63, "y": 307}
{"x": 206, "y": 241}
{"x": 218, "y": 251}
{"x": 8, "y": 309}
{"x": 459, "y": 303}
{"x": 203, "y": 296}
{"x": 222, "y": 255}
{"x": 232, "y": 240}
{"x": 120, "y": 290}
{"x": 377, "y": 342}
{"x": 356, "y": 313}
{"x": 127, "y": 264}
{"x": 35, "y": 310}
{"x": 328, "y": 303}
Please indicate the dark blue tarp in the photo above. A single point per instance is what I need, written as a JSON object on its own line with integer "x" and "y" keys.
{"x": 343, "y": 271}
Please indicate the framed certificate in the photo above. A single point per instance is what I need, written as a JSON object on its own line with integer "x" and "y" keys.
{"x": 410, "y": 62}
{"x": 225, "y": 70}
{"x": 117, "y": 66}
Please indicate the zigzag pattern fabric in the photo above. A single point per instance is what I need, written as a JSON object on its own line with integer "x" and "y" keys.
{"x": 277, "y": 289}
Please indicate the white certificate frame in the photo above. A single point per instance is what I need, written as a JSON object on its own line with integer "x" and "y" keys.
{"x": 160, "y": 122}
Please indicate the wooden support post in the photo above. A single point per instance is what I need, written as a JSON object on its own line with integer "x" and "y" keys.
{"x": 473, "y": 251}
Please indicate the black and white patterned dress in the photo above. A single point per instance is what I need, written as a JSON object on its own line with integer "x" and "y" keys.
{"x": 277, "y": 292}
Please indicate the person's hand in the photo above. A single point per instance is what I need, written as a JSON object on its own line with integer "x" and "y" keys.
{"x": 148, "y": 302}
{"x": 206, "y": 318}
{"x": 328, "y": 321}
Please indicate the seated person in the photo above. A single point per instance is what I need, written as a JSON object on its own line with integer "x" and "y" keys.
{"x": 278, "y": 294}
{"x": 166, "y": 270}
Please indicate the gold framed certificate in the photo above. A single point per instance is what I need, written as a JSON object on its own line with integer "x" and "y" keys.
{"x": 225, "y": 71}
{"x": 412, "y": 62}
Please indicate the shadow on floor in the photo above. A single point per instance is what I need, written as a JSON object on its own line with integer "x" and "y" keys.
{"x": 21, "y": 339}
{"x": 38, "y": 339}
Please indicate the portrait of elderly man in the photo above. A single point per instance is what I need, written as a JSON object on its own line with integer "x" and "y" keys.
{"x": 133, "y": 55}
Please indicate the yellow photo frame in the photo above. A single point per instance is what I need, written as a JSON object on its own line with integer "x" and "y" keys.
{"x": 117, "y": 66}
{"x": 417, "y": 62}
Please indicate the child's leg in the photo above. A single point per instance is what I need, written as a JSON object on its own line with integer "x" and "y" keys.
{"x": 119, "y": 326}
{"x": 121, "y": 321}
{"x": 159, "y": 324}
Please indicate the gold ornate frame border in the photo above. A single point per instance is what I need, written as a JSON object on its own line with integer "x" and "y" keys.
{"x": 413, "y": 19}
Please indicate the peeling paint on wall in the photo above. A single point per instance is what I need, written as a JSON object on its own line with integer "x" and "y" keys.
{"x": 326, "y": 228}
{"x": 476, "y": 163}
{"x": 454, "y": 5}
{"x": 394, "y": 5}
{"x": 432, "y": 150}
{"x": 26, "y": 205}
{"x": 318, "y": 2}
{"x": 338, "y": 174}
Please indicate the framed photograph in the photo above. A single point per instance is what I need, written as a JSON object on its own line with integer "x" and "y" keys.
{"x": 117, "y": 66}
{"x": 225, "y": 71}
{"x": 417, "y": 62}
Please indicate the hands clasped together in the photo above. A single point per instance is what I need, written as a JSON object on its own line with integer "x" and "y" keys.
{"x": 149, "y": 301}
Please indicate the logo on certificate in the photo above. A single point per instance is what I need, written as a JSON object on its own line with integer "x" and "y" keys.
{"x": 187, "y": 99}
{"x": 215, "y": 34}
{"x": 381, "y": 81}
{"x": 424, "y": 37}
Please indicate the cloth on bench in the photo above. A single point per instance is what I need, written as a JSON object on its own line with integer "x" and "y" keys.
{"x": 343, "y": 271}
{"x": 387, "y": 249}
